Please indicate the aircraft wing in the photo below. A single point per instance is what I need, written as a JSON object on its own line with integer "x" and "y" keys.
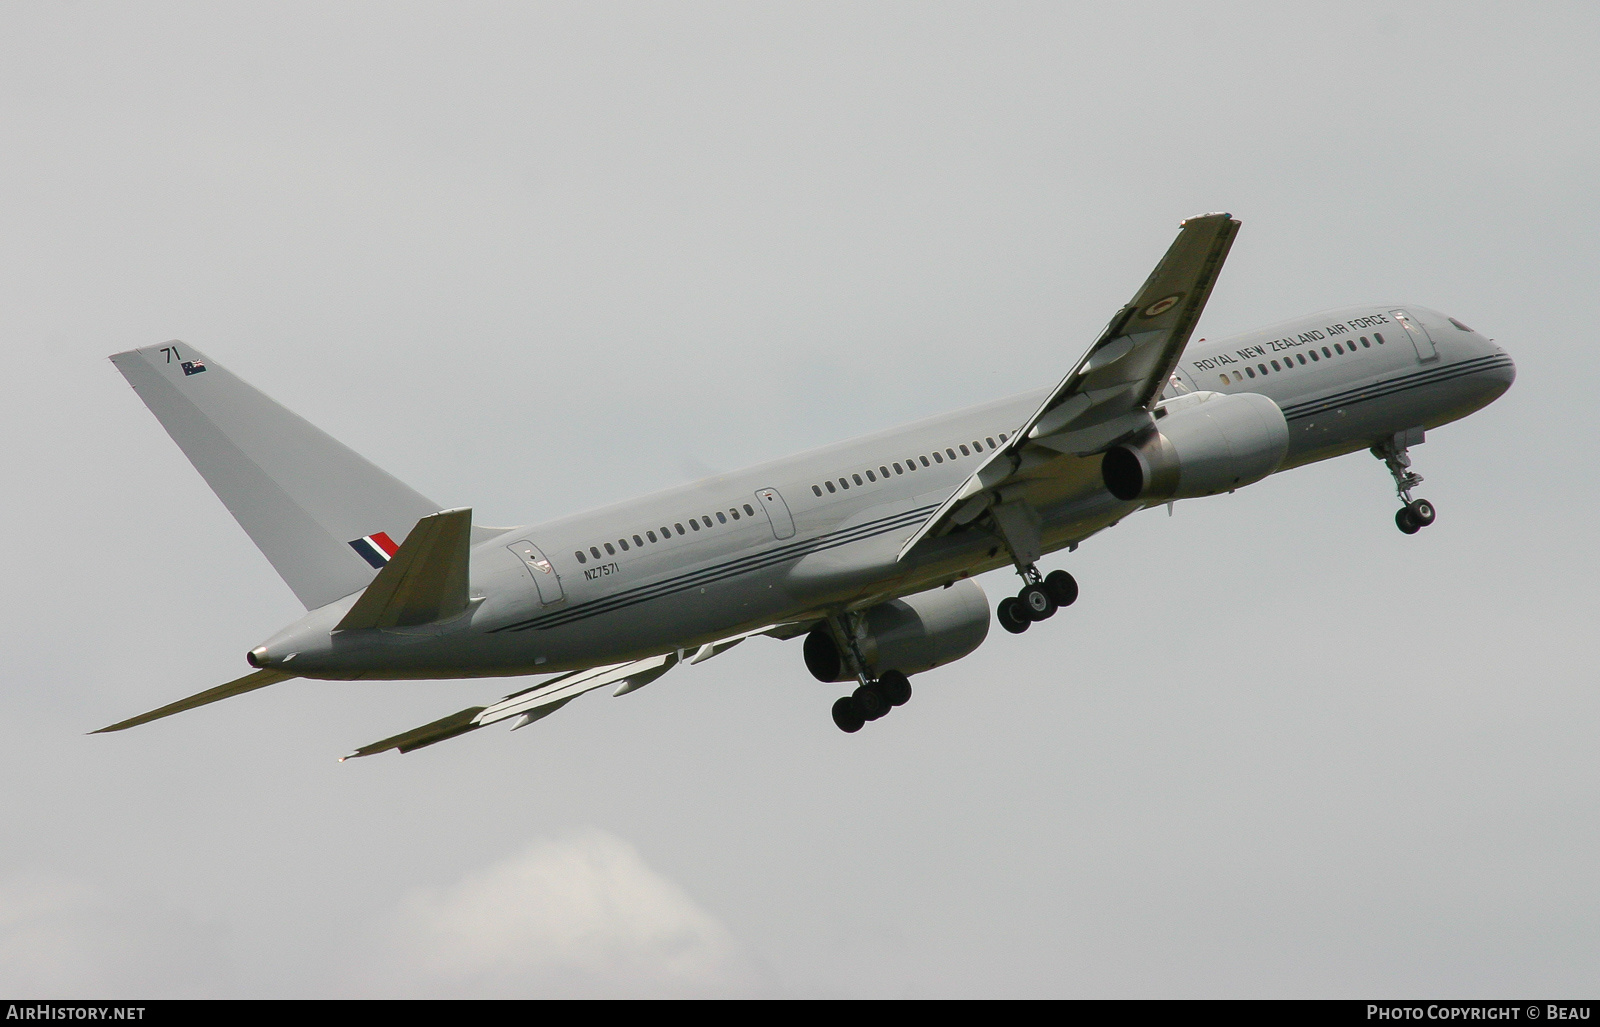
{"x": 1108, "y": 396}
{"x": 545, "y": 698}
{"x": 248, "y": 683}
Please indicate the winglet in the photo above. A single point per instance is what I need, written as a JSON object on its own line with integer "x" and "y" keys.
{"x": 425, "y": 580}
{"x": 248, "y": 683}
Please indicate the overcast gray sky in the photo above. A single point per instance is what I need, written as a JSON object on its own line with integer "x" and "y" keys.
{"x": 537, "y": 257}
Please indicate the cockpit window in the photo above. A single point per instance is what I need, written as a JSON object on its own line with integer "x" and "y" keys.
{"x": 1459, "y": 325}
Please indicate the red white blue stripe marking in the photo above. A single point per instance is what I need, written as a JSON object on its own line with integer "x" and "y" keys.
{"x": 375, "y": 549}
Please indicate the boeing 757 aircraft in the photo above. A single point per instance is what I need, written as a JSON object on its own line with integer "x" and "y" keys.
{"x": 866, "y": 548}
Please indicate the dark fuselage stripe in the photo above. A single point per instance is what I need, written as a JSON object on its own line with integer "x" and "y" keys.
{"x": 727, "y": 569}
{"x": 1448, "y": 371}
{"x": 1392, "y": 386}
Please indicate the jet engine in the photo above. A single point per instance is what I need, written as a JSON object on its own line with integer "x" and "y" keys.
{"x": 910, "y": 635}
{"x": 1204, "y": 443}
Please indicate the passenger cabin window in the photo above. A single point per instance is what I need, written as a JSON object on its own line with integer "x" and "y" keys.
{"x": 1224, "y": 379}
{"x": 1275, "y": 366}
{"x": 965, "y": 451}
{"x": 650, "y": 535}
{"x": 870, "y": 475}
{"x": 883, "y": 471}
{"x": 623, "y": 543}
{"x": 722, "y": 518}
{"x": 675, "y": 524}
{"x": 817, "y": 489}
{"x": 857, "y": 477}
{"x": 1377, "y": 337}
{"x": 581, "y": 557}
{"x": 897, "y": 469}
{"x": 936, "y": 458}
{"x": 830, "y": 486}
{"x": 1250, "y": 371}
{"x": 707, "y": 521}
{"x": 748, "y": 512}
{"x": 924, "y": 461}
{"x": 694, "y": 524}
{"x": 844, "y": 483}
{"x": 950, "y": 453}
{"x": 595, "y": 551}
{"x": 1364, "y": 343}
{"x": 610, "y": 549}
{"x": 991, "y": 442}
{"x": 1002, "y": 436}
{"x": 1314, "y": 355}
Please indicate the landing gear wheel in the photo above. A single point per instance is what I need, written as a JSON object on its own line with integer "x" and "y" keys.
{"x": 1011, "y": 616}
{"x": 1422, "y": 512}
{"x": 847, "y": 715}
{"x": 1063, "y": 587}
{"x": 871, "y": 701}
{"x": 896, "y": 687}
{"x": 1405, "y": 521}
{"x": 1036, "y": 603}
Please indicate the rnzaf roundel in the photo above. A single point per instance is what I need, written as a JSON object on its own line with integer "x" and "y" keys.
{"x": 375, "y": 549}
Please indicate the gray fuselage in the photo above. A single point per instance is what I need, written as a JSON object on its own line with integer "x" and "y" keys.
{"x": 795, "y": 539}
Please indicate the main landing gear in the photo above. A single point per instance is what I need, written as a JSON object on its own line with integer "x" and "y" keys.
{"x": 1414, "y": 514}
{"x": 872, "y": 700}
{"x": 1039, "y": 599}
{"x": 875, "y": 696}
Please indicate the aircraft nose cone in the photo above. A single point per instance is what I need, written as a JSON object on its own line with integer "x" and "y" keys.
{"x": 1507, "y": 370}
{"x": 1500, "y": 373}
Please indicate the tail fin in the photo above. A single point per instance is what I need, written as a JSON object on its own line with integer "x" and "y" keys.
{"x": 311, "y": 504}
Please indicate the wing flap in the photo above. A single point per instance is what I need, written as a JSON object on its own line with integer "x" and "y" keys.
{"x": 239, "y": 686}
{"x": 574, "y": 685}
{"x": 427, "y": 734}
{"x": 425, "y": 580}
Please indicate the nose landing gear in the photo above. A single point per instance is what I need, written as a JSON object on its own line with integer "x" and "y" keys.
{"x": 1414, "y": 514}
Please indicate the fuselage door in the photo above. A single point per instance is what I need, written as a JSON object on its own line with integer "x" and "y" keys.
{"x": 777, "y": 512}
{"x": 1419, "y": 335}
{"x": 545, "y": 577}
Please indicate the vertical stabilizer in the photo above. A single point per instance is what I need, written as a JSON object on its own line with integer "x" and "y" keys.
{"x": 311, "y": 504}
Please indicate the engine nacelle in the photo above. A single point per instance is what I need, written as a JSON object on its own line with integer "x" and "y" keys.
{"x": 1206, "y": 443}
{"x": 911, "y": 634}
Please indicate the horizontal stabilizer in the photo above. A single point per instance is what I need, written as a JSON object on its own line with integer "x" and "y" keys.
{"x": 425, "y": 580}
{"x": 248, "y": 683}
